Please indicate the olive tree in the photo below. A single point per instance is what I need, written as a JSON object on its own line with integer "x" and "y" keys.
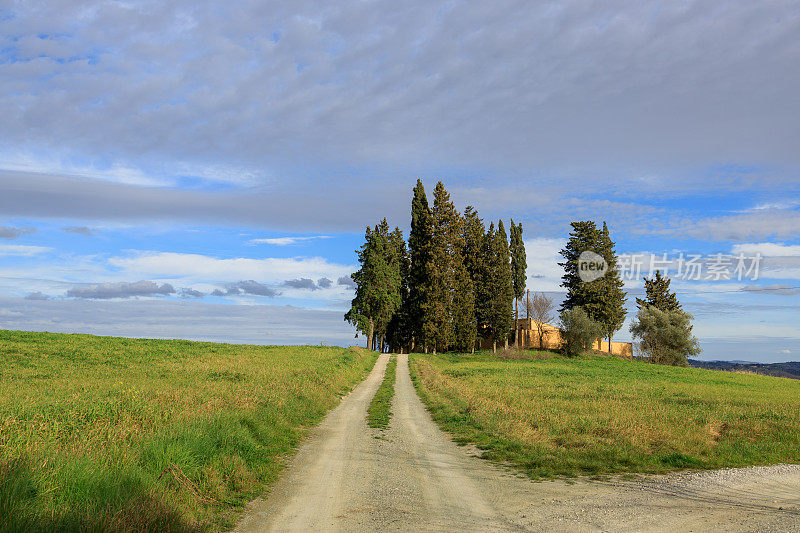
{"x": 665, "y": 337}
{"x": 578, "y": 331}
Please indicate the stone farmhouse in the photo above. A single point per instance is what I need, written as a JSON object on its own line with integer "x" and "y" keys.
{"x": 528, "y": 335}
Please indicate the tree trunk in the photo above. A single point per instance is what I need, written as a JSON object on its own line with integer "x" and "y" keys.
{"x": 370, "y": 345}
{"x": 516, "y": 322}
{"x": 610, "y": 335}
{"x": 494, "y": 346}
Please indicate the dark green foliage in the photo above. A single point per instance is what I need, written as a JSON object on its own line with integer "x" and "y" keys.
{"x": 378, "y": 283}
{"x": 658, "y": 295}
{"x": 578, "y": 331}
{"x": 665, "y": 337}
{"x": 474, "y": 253}
{"x": 519, "y": 262}
{"x": 419, "y": 246}
{"x": 450, "y": 304}
{"x": 473, "y": 232}
{"x": 453, "y": 281}
{"x": 602, "y": 299}
{"x": 399, "y": 327}
{"x": 585, "y": 236}
{"x": 612, "y": 314}
{"x": 519, "y": 265}
{"x": 497, "y": 295}
{"x": 465, "y": 327}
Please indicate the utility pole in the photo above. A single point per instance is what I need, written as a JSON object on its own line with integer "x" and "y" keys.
{"x": 528, "y": 305}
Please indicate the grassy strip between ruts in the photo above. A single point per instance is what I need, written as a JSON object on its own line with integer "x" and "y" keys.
{"x": 551, "y": 416}
{"x": 101, "y": 433}
{"x": 380, "y": 408}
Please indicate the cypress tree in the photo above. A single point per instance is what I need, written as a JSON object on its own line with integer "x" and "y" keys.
{"x": 590, "y": 296}
{"x": 498, "y": 285}
{"x": 505, "y": 304}
{"x": 585, "y": 236}
{"x": 658, "y": 295}
{"x": 519, "y": 265}
{"x": 464, "y": 323}
{"x": 613, "y": 297}
{"x": 397, "y": 330}
{"x": 474, "y": 236}
{"x": 419, "y": 242}
{"x": 372, "y": 281}
{"x": 445, "y": 268}
{"x": 391, "y": 279}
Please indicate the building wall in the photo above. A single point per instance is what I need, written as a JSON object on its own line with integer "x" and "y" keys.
{"x": 529, "y": 338}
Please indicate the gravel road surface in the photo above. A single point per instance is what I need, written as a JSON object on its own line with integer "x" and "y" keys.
{"x": 412, "y": 477}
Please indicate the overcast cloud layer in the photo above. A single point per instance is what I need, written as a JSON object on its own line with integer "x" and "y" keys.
{"x": 153, "y": 92}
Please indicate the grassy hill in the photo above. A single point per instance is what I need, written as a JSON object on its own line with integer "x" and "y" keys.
{"x": 102, "y": 433}
{"x": 781, "y": 370}
{"x": 552, "y": 416}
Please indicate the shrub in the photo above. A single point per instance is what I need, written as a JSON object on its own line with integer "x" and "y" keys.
{"x": 665, "y": 337}
{"x": 578, "y": 331}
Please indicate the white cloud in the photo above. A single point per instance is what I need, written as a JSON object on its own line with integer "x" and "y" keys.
{"x": 543, "y": 272}
{"x": 256, "y": 324}
{"x": 203, "y": 268}
{"x": 768, "y": 249}
{"x": 764, "y": 224}
{"x": 286, "y": 241}
{"x": 789, "y": 204}
{"x": 22, "y": 250}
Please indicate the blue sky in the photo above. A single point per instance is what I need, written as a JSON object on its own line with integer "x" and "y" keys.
{"x": 206, "y": 171}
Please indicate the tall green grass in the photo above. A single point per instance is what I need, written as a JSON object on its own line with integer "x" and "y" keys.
{"x": 379, "y": 411}
{"x": 552, "y": 416}
{"x": 101, "y": 433}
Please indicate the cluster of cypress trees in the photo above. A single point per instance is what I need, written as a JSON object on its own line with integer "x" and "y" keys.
{"x": 454, "y": 282}
{"x": 603, "y": 300}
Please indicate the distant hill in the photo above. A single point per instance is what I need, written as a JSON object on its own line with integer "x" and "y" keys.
{"x": 781, "y": 370}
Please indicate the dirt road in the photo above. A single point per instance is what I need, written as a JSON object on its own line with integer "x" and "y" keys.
{"x": 348, "y": 477}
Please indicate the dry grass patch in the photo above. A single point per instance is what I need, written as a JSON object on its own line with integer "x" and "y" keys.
{"x": 597, "y": 415}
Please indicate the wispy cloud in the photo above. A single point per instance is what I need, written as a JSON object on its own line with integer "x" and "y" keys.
{"x": 187, "y": 319}
{"x": 768, "y": 249}
{"x": 10, "y": 233}
{"x": 107, "y": 291}
{"x": 286, "y": 241}
{"x": 346, "y": 281}
{"x": 37, "y": 295}
{"x": 79, "y": 230}
{"x": 22, "y": 250}
{"x": 780, "y": 289}
{"x": 251, "y": 287}
{"x": 188, "y": 292}
{"x": 162, "y": 265}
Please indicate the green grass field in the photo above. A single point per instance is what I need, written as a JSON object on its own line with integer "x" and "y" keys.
{"x": 379, "y": 411}
{"x": 100, "y": 433}
{"x": 551, "y": 416}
